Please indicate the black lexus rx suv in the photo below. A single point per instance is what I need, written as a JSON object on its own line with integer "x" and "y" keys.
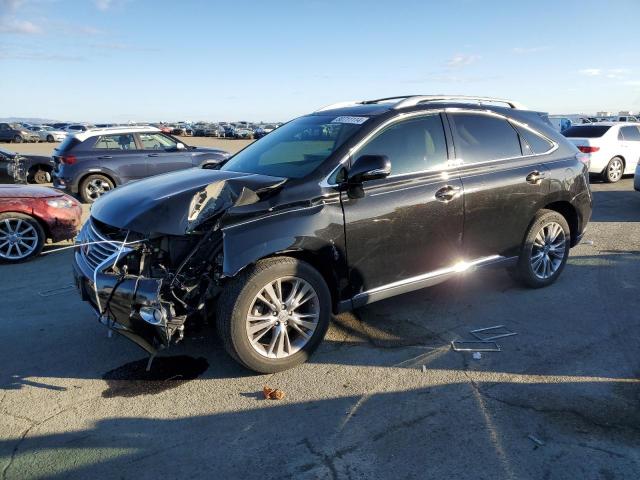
{"x": 351, "y": 204}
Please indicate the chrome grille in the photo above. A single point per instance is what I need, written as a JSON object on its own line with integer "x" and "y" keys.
{"x": 95, "y": 253}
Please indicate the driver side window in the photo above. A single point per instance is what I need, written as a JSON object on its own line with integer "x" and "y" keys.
{"x": 412, "y": 146}
{"x": 156, "y": 141}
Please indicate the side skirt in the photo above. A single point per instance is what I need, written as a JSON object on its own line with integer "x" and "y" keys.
{"x": 422, "y": 281}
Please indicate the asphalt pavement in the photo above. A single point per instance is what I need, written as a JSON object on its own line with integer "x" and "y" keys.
{"x": 383, "y": 397}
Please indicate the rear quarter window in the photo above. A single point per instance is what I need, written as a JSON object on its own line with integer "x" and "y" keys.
{"x": 481, "y": 138}
{"x": 584, "y": 131}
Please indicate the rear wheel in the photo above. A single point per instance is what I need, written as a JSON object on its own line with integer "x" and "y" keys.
{"x": 21, "y": 237}
{"x": 17, "y": 139}
{"x": 274, "y": 315}
{"x": 50, "y": 138}
{"x": 614, "y": 170}
{"x": 545, "y": 250}
{"x": 94, "y": 186}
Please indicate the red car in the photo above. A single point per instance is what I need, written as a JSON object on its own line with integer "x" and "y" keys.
{"x": 30, "y": 215}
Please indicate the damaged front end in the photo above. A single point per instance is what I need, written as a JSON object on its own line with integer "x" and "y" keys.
{"x": 16, "y": 169}
{"x": 146, "y": 284}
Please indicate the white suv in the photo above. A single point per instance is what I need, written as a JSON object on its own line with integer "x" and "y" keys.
{"x": 613, "y": 148}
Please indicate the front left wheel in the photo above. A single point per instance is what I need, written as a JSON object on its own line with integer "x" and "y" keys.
{"x": 21, "y": 237}
{"x": 274, "y": 314}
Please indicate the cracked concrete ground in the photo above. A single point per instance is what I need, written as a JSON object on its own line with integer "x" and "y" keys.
{"x": 561, "y": 401}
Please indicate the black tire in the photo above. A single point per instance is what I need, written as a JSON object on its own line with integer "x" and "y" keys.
{"x": 12, "y": 217}
{"x": 40, "y": 176}
{"x": 17, "y": 139}
{"x": 524, "y": 272}
{"x": 611, "y": 174}
{"x": 50, "y": 138}
{"x": 87, "y": 194}
{"x": 235, "y": 301}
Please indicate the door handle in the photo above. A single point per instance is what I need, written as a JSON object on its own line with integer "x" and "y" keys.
{"x": 447, "y": 193}
{"x": 153, "y": 155}
{"x": 536, "y": 177}
{"x": 104, "y": 157}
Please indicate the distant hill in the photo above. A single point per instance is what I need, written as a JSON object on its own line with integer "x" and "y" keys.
{"x": 28, "y": 120}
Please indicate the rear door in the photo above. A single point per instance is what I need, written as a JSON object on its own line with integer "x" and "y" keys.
{"x": 119, "y": 153}
{"x": 162, "y": 154}
{"x": 630, "y": 136}
{"x": 410, "y": 223}
{"x": 503, "y": 185}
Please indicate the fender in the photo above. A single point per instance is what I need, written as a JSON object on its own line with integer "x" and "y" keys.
{"x": 316, "y": 231}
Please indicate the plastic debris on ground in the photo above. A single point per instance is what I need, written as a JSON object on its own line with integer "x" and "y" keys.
{"x": 492, "y": 333}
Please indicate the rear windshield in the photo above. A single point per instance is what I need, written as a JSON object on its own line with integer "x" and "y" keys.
{"x": 584, "y": 131}
{"x": 67, "y": 144}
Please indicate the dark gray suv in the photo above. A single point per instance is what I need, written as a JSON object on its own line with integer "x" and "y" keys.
{"x": 91, "y": 163}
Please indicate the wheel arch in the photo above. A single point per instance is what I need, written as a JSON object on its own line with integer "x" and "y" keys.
{"x": 570, "y": 214}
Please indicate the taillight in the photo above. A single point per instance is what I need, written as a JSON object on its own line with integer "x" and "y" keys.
{"x": 68, "y": 159}
{"x": 588, "y": 149}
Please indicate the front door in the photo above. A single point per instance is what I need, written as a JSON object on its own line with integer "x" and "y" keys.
{"x": 631, "y": 146}
{"x": 408, "y": 224}
{"x": 162, "y": 153}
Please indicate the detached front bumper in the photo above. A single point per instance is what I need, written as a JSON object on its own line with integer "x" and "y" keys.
{"x": 122, "y": 302}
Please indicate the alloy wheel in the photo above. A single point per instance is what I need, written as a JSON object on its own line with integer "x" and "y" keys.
{"x": 614, "y": 170}
{"x": 97, "y": 187}
{"x": 548, "y": 250}
{"x": 283, "y": 317}
{"x": 18, "y": 239}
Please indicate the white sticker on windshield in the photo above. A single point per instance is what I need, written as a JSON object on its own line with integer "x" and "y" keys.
{"x": 347, "y": 119}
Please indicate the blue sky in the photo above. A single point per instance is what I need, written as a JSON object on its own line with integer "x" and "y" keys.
{"x": 120, "y": 60}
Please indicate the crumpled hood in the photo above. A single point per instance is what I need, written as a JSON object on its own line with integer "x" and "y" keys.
{"x": 177, "y": 202}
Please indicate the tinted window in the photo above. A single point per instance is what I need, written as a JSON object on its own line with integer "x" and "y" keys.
{"x": 155, "y": 141}
{"x": 123, "y": 141}
{"x": 411, "y": 146}
{"x": 630, "y": 133}
{"x": 297, "y": 148}
{"x": 479, "y": 138}
{"x": 584, "y": 131}
{"x": 533, "y": 143}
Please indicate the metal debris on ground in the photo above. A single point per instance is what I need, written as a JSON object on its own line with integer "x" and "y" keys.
{"x": 492, "y": 333}
{"x": 475, "y": 346}
{"x": 56, "y": 291}
{"x": 536, "y": 440}
{"x": 587, "y": 242}
{"x": 272, "y": 393}
{"x": 424, "y": 369}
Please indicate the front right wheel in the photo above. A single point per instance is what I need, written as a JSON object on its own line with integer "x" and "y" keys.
{"x": 274, "y": 314}
{"x": 545, "y": 250}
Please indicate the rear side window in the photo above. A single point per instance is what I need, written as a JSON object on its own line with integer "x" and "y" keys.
{"x": 532, "y": 143}
{"x": 412, "y": 146}
{"x": 123, "y": 141}
{"x": 584, "y": 131}
{"x": 631, "y": 134}
{"x": 479, "y": 138}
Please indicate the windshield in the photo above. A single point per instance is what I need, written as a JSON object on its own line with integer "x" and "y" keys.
{"x": 297, "y": 148}
{"x": 586, "y": 131}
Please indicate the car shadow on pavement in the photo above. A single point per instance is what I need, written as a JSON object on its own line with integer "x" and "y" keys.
{"x": 401, "y": 433}
{"x": 616, "y": 206}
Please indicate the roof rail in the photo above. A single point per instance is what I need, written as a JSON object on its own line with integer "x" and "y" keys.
{"x": 123, "y": 127}
{"x": 412, "y": 101}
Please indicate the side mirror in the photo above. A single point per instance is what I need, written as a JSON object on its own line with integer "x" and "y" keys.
{"x": 180, "y": 146}
{"x": 369, "y": 167}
